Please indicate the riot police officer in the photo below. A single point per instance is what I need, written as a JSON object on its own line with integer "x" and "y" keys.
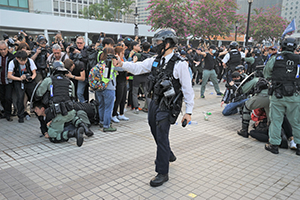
{"x": 283, "y": 70}
{"x": 168, "y": 81}
{"x": 232, "y": 59}
{"x": 57, "y": 93}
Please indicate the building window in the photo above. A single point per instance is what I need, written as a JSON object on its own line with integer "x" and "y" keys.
{"x": 68, "y": 7}
{"x": 23, "y": 3}
{"x": 62, "y": 7}
{"x": 74, "y": 8}
{"x": 55, "y": 6}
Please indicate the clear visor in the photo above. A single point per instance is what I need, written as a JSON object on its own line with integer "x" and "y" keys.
{"x": 156, "y": 42}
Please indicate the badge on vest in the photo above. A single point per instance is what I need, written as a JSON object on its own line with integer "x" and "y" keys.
{"x": 155, "y": 64}
{"x": 279, "y": 58}
{"x": 59, "y": 77}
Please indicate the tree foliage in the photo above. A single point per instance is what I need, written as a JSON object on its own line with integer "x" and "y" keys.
{"x": 264, "y": 24}
{"x": 203, "y": 18}
{"x": 108, "y": 10}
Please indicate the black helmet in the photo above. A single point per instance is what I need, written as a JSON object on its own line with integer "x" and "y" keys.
{"x": 40, "y": 38}
{"x": 240, "y": 67}
{"x": 164, "y": 34}
{"x": 127, "y": 41}
{"x": 257, "y": 52}
{"x": 233, "y": 45}
{"x": 59, "y": 68}
{"x": 289, "y": 44}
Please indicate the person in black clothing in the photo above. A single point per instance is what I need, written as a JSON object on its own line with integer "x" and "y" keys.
{"x": 6, "y": 85}
{"x": 22, "y": 71}
{"x": 198, "y": 69}
{"x": 80, "y": 53}
{"x": 77, "y": 73}
{"x": 209, "y": 71}
{"x": 40, "y": 58}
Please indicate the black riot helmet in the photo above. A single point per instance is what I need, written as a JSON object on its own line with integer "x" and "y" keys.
{"x": 289, "y": 44}
{"x": 59, "y": 68}
{"x": 233, "y": 45}
{"x": 40, "y": 38}
{"x": 165, "y": 34}
{"x": 257, "y": 52}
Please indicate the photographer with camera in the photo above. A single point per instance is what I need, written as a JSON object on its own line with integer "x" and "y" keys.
{"x": 6, "y": 85}
{"x": 57, "y": 55}
{"x": 79, "y": 54}
{"x": 40, "y": 58}
{"x": 22, "y": 71}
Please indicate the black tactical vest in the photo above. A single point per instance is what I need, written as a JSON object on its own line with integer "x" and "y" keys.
{"x": 258, "y": 60}
{"x": 41, "y": 60}
{"x": 61, "y": 89}
{"x": 166, "y": 72}
{"x": 17, "y": 68}
{"x": 286, "y": 68}
{"x": 285, "y": 75}
{"x": 235, "y": 60}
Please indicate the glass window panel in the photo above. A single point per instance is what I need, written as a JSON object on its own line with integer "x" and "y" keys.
{"x": 13, "y": 3}
{"x": 4, "y": 2}
{"x": 23, "y": 3}
{"x": 62, "y": 7}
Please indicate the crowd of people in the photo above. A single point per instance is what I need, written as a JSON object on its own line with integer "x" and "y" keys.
{"x": 261, "y": 84}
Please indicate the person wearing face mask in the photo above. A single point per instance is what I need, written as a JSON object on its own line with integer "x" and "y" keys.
{"x": 209, "y": 71}
{"x": 232, "y": 59}
{"x": 168, "y": 83}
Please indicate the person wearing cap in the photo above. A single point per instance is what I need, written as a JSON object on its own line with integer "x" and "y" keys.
{"x": 168, "y": 79}
{"x": 22, "y": 71}
{"x": 40, "y": 58}
{"x": 209, "y": 71}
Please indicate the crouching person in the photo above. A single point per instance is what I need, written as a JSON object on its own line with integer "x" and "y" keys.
{"x": 57, "y": 93}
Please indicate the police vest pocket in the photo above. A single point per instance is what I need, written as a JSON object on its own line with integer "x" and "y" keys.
{"x": 288, "y": 90}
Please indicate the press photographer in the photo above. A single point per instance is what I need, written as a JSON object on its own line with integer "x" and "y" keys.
{"x": 40, "y": 58}
{"x": 22, "y": 71}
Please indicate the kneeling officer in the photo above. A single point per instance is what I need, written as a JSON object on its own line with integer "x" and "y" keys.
{"x": 57, "y": 93}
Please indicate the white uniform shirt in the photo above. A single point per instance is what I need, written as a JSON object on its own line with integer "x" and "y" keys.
{"x": 11, "y": 66}
{"x": 180, "y": 72}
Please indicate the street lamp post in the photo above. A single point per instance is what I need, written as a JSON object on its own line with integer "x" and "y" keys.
{"x": 236, "y": 26}
{"x": 248, "y": 21}
{"x": 136, "y": 17}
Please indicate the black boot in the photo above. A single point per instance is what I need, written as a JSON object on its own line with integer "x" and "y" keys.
{"x": 298, "y": 150}
{"x": 87, "y": 131}
{"x": 78, "y": 134}
{"x": 159, "y": 179}
{"x": 244, "y": 131}
{"x": 272, "y": 148}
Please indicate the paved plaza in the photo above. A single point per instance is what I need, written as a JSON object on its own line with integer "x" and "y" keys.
{"x": 213, "y": 162}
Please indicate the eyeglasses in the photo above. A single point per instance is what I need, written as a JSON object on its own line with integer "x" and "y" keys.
{"x": 79, "y": 42}
{"x": 42, "y": 42}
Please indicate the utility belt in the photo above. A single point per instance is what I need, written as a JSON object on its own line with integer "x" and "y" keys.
{"x": 283, "y": 89}
{"x": 59, "y": 108}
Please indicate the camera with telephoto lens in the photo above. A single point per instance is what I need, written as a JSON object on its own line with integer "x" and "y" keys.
{"x": 28, "y": 77}
{"x": 167, "y": 88}
{"x": 72, "y": 49}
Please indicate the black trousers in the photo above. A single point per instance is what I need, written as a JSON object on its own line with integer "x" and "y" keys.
{"x": 28, "y": 89}
{"x": 129, "y": 98}
{"x": 160, "y": 127}
{"x": 121, "y": 91}
{"x": 6, "y": 98}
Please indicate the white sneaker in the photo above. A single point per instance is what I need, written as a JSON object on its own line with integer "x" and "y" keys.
{"x": 211, "y": 83}
{"x": 136, "y": 111}
{"x": 293, "y": 145}
{"x": 115, "y": 119}
{"x": 122, "y": 117}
